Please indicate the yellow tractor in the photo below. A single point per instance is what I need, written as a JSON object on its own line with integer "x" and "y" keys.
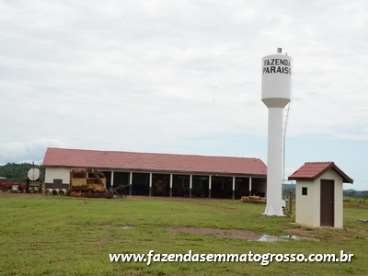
{"x": 88, "y": 183}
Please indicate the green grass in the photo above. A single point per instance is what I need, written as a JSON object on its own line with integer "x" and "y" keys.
{"x": 357, "y": 202}
{"x": 45, "y": 235}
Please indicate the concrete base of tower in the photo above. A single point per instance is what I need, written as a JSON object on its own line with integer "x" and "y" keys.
{"x": 273, "y": 211}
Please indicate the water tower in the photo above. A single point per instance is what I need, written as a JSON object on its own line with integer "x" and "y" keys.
{"x": 276, "y": 82}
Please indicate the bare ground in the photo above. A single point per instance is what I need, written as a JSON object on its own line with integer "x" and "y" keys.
{"x": 222, "y": 233}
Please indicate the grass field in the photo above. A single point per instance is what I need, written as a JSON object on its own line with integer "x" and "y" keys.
{"x": 45, "y": 235}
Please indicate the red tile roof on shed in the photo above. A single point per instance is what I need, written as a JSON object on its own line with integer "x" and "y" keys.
{"x": 312, "y": 170}
{"x": 135, "y": 161}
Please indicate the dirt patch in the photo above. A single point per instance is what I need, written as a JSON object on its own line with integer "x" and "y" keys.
{"x": 120, "y": 226}
{"x": 304, "y": 232}
{"x": 326, "y": 233}
{"x": 239, "y": 234}
{"x": 222, "y": 233}
{"x": 127, "y": 226}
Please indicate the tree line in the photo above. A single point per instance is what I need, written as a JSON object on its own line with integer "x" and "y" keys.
{"x": 15, "y": 172}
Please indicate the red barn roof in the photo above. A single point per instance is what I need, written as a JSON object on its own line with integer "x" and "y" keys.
{"x": 312, "y": 170}
{"x": 135, "y": 161}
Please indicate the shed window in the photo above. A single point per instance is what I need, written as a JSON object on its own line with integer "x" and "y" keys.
{"x": 304, "y": 191}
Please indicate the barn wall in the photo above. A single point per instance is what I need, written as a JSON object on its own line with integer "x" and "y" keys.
{"x": 57, "y": 173}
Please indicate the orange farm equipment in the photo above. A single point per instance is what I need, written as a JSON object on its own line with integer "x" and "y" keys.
{"x": 88, "y": 183}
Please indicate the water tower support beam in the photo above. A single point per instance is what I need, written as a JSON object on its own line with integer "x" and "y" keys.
{"x": 274, "y": 162}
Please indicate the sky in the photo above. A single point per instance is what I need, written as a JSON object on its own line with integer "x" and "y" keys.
{"x": 183, "y": 77}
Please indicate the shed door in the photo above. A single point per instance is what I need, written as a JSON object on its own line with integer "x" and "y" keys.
{"x": 327, "y": 202}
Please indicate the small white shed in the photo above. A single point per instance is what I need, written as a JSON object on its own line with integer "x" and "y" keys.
{"x": 319, "y": 194}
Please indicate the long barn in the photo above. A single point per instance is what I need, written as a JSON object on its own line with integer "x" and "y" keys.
{"x": 157, "y": 174}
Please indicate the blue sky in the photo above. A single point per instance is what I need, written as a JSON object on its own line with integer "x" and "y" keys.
{"x": 182, "y": 77}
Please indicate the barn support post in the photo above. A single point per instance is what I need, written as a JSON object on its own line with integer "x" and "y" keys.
{"x": 150, "y": 184}
{"x": 171, "y": 184}
{"x": 250, "y": 185}
{"x": 112, "y": 180}
{"x": 190, "y": 185}
{"x": 209, "y": 185}
{"x": 233, "y": 195}
{"x": 130, "y": 182}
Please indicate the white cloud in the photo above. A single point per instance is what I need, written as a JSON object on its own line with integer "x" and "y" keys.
{"x": 148, "y": 74}
{"x": 30, "y": 151}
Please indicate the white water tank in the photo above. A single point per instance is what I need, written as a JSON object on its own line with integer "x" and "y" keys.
{"x": 276, "y": 90}
{"x": 276, "y": 79}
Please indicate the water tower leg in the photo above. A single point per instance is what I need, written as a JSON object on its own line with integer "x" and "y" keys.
{"x": 274, "y": 163}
